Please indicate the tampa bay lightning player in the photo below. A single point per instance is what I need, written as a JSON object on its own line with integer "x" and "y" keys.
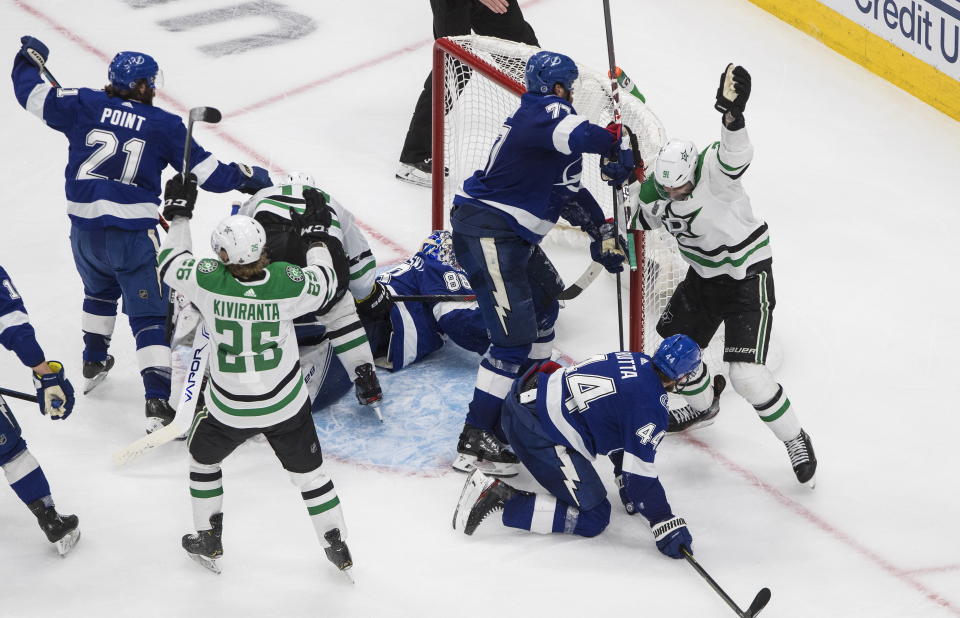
{"x": 559, "y": 419}
{"x": 55, "y": 396}
{"x": 499, "y": 216}
{"x": 411, "y": 331}
{"x": 119, "y": 143}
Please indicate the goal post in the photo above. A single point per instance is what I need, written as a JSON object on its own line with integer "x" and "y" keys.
{"x": 477, "y": 82}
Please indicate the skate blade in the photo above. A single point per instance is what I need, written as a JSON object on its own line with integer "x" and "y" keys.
{"x": 410, "y": 178}
{"x": 348, "y": 573}
{"x": 464, "y": 463}
{"x": 377, "y": 411}
{"x": 93, "y": 382}
{"x": 207, "y": 563}
{"x": 812, "y": 483}
{"x": 67, "y": 543}
{"x": 468, "y": 495}
{"x": 491, "y": 468}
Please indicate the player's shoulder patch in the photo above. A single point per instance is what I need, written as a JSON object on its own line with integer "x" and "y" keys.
{"x": 208, "y": 265}
{"x": 294, "y": 273}
{"x": 67, "y": 92}
{"x": 665, "y": 402}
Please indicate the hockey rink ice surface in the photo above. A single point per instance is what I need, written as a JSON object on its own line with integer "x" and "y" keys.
{"x": 857, "y": 179}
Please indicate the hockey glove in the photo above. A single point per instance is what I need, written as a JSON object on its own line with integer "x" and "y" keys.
{"x": 54, "y": 392}
{"x": 179, "y": 197}
{"x": 672, "y": 534}
{"x": 377, "y": 304}
{"x": 253, "y": 178}
{"x": 312, "y": 226}
{"x": 367, "y": 384}
{"x": 622, "y": 162}
{"x": 34, "y": 50}
{"x": 607, "y": 251}
{"x": 617, "y": 458}
{"x": 732, "y": 95}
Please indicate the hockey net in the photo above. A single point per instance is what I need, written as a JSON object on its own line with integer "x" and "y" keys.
{"x": 477, "y": 82}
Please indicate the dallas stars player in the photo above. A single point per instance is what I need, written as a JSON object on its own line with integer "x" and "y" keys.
{"x": 255, "y": 385}
{"x": 701, "y": 202}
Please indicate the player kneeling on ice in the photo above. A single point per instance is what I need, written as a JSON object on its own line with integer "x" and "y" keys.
{"x": 255, "y": 384}
{"x": 698, "y": 196}
{"x": 55, "y": 396}
{"x": 558, "y": 420}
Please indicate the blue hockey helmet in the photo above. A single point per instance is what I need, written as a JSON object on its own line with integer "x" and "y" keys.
{"x": 439, "y": 246}
{"x": 677, "y": 356}
{"x": 545, "y": 68}
{"x": 129, "y": 66}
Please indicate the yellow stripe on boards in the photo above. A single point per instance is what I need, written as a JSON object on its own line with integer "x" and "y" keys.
{"x": 870, "y": 51}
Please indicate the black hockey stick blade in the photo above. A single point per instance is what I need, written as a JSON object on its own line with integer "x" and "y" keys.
{"x": 211, "y": 115}
{"x": 759, "y": 602}
{"x": 582, "y": 283}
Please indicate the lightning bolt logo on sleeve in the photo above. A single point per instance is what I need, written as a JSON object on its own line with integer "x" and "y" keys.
{"x": 571, "y": 478}
{"x": 501, "y": 304}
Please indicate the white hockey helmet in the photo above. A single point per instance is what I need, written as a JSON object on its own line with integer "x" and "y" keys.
{"x": 676, "y": 164}
{"x": 238, "y": 239}
{"x": 298, "y": 178}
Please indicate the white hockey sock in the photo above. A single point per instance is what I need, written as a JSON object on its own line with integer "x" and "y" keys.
{"x": 697, "y": 391}
{"x": 322, "y": 502}
{"x": 206, "y": 492}
{"x": 779, "y": 416}
{"x": 544, "y": 509}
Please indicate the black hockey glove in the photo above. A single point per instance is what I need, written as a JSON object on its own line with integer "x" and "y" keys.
{"x": 367, "y": 384}
{"x": 732, "y": 95}
{"x": 314, "y": 224}
{"x": 179, "y": 197}
{"x": 377, "y": 304}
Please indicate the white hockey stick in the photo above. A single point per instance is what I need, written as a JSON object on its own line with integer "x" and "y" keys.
{"x": 185, "y": 408}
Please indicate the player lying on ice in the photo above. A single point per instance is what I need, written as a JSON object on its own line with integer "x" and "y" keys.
{"x": 256, "y": 385}
{"x": 557, "y": 420}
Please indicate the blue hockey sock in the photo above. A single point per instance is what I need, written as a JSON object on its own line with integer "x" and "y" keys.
{"x": 153, "y": 356}
{"x": 97, "y": 322}
{"x": 541, "y": 513}
{"x": 26, "y": 477}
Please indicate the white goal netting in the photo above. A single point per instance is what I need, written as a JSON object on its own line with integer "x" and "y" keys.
{"x": 475, "y": 104}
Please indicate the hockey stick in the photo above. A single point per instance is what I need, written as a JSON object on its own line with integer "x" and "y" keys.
{"x": 185, "y": 408}
{"x": 210, "y": 115}
{"x": 759, "y": 602}
{"x": 617, "y": 193}
{"x": 18, "y": 395}
{"x": 570, "y": 293}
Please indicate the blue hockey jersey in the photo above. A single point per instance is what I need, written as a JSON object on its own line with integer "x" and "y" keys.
{"x": 534, "y": 167}
{"x": 419, "y": 328}
{"x": 16, "y": 333}
{"x": 609, "y": 402}
{"x": 117, "y": 151}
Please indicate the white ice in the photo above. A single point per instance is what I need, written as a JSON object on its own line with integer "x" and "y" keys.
{"x": 857, "y": 179}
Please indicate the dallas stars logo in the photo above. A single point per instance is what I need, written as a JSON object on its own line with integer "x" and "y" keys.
{"x": 680, "y": 226}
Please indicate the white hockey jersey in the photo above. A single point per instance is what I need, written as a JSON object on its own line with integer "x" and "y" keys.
{"x": 715, "y": 228}
{"x": 255, "y": 376}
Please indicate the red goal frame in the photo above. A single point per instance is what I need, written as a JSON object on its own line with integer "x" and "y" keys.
{"x": 444, "y": 47}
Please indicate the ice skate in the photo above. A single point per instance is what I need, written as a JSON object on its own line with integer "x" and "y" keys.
{"x": 420, "y": 173}
{"x": 686, "y": 417}
{"x": 205, "y": 547}
{"x": 61, "y": 530}
{"x": 338, "y": 553}
{"x": 480, "y": 449}
{"x": 368, "y": 389}
{"x": 96, "y": 372}
{"x": 159, "y": 414}
{"x": 481, "y": 496}
{"x": 802, "y": 459}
